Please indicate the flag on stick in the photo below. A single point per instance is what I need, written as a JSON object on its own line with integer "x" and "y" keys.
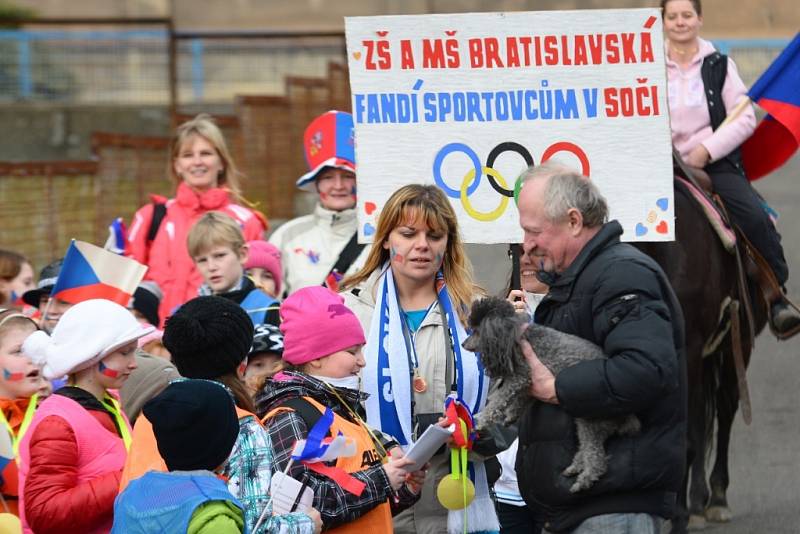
{"x": 777, "y": 136}
{"x": 116, "y": 236}
{"x": 90, "y": 272}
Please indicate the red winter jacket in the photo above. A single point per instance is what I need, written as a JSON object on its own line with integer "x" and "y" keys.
{"x": 166, "y": 256}
{"x": 53, "y": 500}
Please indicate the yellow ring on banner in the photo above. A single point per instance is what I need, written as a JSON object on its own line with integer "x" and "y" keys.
{"x": 472, "y": 212}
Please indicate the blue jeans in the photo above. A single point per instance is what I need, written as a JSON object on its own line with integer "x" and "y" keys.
{"x": 621, "y": 524}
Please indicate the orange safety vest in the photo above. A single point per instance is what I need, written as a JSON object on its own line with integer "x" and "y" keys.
{"x": 10, "y": 474}
{"x": 379, "y": 519}
{"x": 143, "y": 455}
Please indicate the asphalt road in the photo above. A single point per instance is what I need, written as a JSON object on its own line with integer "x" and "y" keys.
{"x": 764, "y": 492}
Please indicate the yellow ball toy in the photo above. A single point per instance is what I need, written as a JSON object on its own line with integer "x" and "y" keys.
{"x": 10, "y": 524}
{"x": 451, "y": 493}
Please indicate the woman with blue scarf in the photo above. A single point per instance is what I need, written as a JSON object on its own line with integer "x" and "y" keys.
{"x": 412, "y": 298}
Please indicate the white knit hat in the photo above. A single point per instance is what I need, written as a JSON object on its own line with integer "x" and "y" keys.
{"x": 85, "y": 334}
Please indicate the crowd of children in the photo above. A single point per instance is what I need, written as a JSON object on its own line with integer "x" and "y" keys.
{"x": 224, "y": 382}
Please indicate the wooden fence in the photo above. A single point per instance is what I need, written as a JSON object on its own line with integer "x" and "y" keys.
{"x": 45, "y": 204}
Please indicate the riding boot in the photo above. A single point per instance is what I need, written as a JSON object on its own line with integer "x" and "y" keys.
{"x": 784, "y": 318}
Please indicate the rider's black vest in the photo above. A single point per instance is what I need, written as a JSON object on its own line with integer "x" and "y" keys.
{"x": 713, "y": 72}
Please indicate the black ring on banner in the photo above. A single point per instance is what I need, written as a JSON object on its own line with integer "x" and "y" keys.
{"x": 508, "y": 146}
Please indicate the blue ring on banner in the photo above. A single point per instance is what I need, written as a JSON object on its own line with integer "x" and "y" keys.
{"x": 437, "y": 168}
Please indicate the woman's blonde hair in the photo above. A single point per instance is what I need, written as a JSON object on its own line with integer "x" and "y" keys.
{"x": 426, "y": 203}
{"x": 203, "y": 125}
{"x": 214, "y": 229}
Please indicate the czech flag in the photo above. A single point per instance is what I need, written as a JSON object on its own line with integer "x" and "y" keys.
{"x": 90, "y": 272}
{"x": 777, "y": 136}
{"x": 116, "y": 236}
{"x": 317, "y": 449}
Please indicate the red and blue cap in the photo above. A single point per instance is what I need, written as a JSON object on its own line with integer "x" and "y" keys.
{"x": 329, "y": 141}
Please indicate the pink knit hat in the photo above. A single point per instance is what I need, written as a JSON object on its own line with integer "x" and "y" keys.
{"x": 316, "y": 323}
{"x": 264, "y": 255}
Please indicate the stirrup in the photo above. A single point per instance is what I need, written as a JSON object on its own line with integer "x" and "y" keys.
{"x": 789, "y": 333}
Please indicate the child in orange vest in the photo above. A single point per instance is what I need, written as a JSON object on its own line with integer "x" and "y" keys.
{"x": 20, "y": 381}
{"x": 72, "y": 455}
{"x": 322, "y": 344}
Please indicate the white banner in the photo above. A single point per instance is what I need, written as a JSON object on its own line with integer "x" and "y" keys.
{"x": 468, "y": 101}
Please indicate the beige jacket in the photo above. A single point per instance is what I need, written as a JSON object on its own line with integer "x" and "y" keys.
{"x": 429, "y": 341}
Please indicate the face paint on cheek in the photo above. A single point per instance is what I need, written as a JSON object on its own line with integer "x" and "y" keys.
{"x": 353, "y": 192}
{"x": 13, "y": 377}
{"x": 107, "y": 371}
{"x": 323, "y": 195}
{"x": 439, "y": 259}
{"x": 396, "y": 256}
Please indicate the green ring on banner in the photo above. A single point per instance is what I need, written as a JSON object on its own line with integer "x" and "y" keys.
{"x": 517, "y": 188}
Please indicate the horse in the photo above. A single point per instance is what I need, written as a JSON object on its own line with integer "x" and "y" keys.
{"x": 704, "y": 276}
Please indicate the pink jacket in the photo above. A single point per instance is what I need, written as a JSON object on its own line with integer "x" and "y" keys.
{"x": 166, "y": 256}
{"x": 691, "y": 123}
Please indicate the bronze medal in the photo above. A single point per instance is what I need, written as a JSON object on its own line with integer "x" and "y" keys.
{"x": 420, "y": 386}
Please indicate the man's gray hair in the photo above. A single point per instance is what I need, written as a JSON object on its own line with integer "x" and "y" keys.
{"x": 567, "y": 189}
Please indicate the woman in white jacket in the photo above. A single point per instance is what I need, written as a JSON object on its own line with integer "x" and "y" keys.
{"x": 313, "y": 245}
{"x": 412, "y": 298}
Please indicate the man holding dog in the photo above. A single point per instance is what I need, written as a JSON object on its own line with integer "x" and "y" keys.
{"x": 609, "y": 293}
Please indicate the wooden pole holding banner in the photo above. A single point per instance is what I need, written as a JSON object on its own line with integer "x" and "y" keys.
{"x": 516, "y": 282}
{"x": 737, "y": 111}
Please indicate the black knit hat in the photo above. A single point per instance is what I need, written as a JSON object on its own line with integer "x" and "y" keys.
{"x": 195, "y": 424}
{"x": 208, "y": 337}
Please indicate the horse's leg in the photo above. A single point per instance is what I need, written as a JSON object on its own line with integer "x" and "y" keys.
{"x": 693, "y": 492}
{"x": 727, "y": 404}
{"x": 702, "y": 386}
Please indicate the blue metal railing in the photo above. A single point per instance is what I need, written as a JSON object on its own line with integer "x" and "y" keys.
{"x": 726, "y": 45}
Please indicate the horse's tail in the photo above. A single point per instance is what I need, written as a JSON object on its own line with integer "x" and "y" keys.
{"x": 712, "y": 370}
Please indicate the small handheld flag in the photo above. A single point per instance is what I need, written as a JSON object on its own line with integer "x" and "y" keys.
{"x": 318, "y": 448}
{"x": 90, "y": 272}
{"x": 312, "y": 452}
{"x": 116, "y": 236}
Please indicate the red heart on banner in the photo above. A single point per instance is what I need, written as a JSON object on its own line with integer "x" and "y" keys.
{"x": 662, "y": 227}
{"x": 369, "y": 207}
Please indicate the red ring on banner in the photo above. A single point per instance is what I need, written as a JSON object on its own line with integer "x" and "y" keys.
{"x": 564, "y": 146}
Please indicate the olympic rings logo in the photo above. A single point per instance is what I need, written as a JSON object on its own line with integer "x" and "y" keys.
{"x": 472, "y": 179}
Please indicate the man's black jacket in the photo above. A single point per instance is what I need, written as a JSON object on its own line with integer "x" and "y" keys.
{"x": 618, "y": 298}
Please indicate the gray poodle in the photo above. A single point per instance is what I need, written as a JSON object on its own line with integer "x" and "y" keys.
{"x": 497, "y": 330}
